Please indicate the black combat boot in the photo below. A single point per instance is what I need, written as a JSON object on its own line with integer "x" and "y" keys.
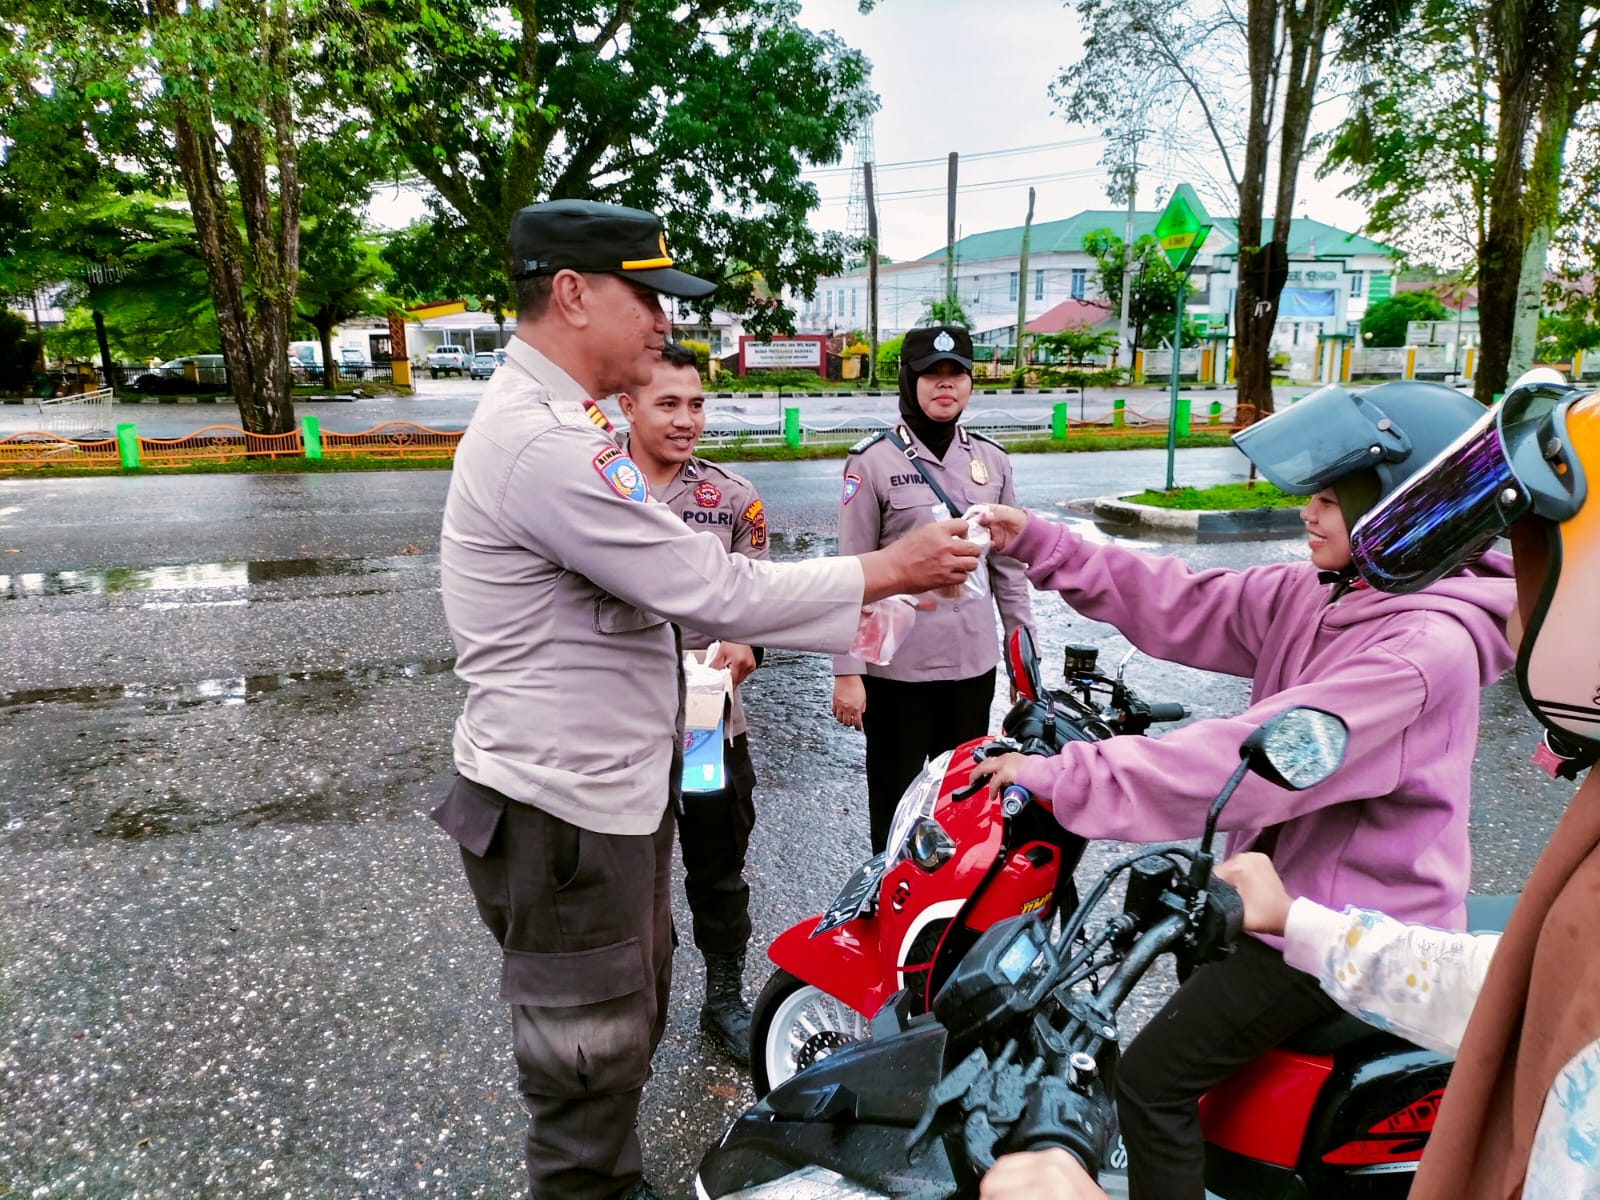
{"x": 725, "y": 1015}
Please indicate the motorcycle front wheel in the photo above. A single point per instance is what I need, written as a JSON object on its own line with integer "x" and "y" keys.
{"x": 793, "y": 1025}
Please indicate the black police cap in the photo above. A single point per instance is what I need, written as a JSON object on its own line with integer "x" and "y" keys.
{"x": 580, "y": 235}
{"x": 929, "y": 344}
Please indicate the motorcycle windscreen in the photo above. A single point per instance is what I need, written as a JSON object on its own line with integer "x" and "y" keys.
{"x": 1306, "y": 447}
{"x": 1442, "y": 516}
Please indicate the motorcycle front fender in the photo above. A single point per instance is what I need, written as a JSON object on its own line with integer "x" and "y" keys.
{"x": 845, "y": 962}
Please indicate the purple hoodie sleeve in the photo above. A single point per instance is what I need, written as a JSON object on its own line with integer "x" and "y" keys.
{"x": 1214, "y": 619}
{"x": 1148, "y": 789}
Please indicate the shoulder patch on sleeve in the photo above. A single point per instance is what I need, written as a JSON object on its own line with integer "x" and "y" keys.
{"x": 867, "y": 442}
{"x": 756, "y": 514}
{"x": 622, "y": 473}
{"x": 852, "y": 485}
{"x": 984, "y": 437}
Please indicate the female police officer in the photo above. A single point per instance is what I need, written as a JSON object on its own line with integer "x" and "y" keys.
{"x": 936, "y": 692}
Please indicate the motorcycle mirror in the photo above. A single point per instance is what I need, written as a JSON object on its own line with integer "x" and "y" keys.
{"x": 1295, "y": 749}
{"x": 1022, "y": 664}
{"x": 1298, "y": 748}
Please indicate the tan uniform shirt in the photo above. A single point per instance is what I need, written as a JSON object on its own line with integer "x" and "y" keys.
{"x": 712, "y": 499}
{"x": 885, "y": 496}
{"x": 559, "y": 580}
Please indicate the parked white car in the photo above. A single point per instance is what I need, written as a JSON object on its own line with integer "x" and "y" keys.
{"x": 446, "y": 360}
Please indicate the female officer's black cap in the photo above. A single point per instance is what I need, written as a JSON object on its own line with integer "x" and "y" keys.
{"x": 580, "y": 235}
{"x": 928, "y": 344}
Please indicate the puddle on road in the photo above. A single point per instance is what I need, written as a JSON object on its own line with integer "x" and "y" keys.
{"x": 232, "y": 690}
{"x": 213, "y": 576}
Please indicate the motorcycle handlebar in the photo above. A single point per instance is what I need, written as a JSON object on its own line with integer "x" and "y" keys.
{"x": 1168, "y": 711}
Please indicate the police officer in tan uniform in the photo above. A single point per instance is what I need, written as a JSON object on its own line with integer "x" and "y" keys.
{"x": 665, "y": 420}
{"x": 560, "y": 583}
{"x": 937, "y": 690}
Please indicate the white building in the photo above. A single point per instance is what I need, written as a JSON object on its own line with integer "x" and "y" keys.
{"x": 1332, "y": 277}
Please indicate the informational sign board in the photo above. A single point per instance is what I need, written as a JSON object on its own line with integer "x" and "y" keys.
{"x": 1183, "y": 227}
{"x": 804, "y": 353}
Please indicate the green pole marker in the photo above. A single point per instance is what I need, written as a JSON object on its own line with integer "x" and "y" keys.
{"x": 1117, "y": 407}
{"x": 1058, "y": 421}
{"x": 791, "y": 426}
{"x": 1214, "y": 413}
{"x": 311, "y": 436}
{"x": 128, "y": 446}
{"x": 1180, "y": 415}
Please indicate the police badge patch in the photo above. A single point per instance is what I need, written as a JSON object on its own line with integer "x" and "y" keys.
{"x": 852, "y": 485}
{"x": 757, "y": 517}
{"x": 707, "y": 496}
{"x": 622, "y": 473}
{"x": 944, "y": 343}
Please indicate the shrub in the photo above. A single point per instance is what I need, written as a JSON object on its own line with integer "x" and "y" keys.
{"x": 1385, "y": 322}
{"x": 856, "y": 348}
{"x": 702, "y": 355}
{"x": 889, "y": 356}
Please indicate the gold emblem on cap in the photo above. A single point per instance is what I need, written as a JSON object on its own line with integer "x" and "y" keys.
{"x": 945, "y": 343}
{"x": 645, "y": 264}
{"x": 979, "y": 472}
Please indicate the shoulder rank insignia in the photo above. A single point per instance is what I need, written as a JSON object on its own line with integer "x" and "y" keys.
{"x": 867, "y": 441}
{"x": 598, "y": 416}
{"x": 984, "y": 437}
{"x": 622, "y": 473}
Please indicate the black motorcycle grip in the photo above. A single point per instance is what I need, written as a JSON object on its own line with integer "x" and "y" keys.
{"x": 1168, "y": 710}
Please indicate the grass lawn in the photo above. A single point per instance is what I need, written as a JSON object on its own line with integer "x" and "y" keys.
{"x": 1223, "y": 496}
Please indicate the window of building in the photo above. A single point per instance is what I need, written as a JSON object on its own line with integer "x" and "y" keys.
{"x": 852, "y": 302}
{"x": 830, "y": 302}
{"x": 1355, "y": 282}
{"x": 1013, "y": 285}
{"x": 1038, "y": 285}
{"x": 1080, "y": 280}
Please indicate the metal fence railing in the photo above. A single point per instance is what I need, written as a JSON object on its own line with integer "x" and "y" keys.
{"x": 74, "y": 416}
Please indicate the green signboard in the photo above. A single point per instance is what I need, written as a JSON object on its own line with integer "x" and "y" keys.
{"x": 1183, "y": 227}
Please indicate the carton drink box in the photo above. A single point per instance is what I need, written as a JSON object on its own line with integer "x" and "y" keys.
{"x": 705, "y": 704}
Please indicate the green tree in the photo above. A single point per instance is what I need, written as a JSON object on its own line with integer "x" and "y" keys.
{"x": 1153, "y": 297}
{"x": 706, "y": 114}
{"x": 1260, "y": 60}
{"x": 945, "y": 310}
{"x": 342, "y": 276}
{"x": 1385, "y": 322}
{"x": 1539, "y": 67}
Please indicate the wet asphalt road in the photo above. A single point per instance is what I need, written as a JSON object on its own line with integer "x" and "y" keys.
{"x": 237, "y": 959}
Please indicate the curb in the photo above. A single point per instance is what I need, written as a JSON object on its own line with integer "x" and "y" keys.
{"x": 1236, "y": 521}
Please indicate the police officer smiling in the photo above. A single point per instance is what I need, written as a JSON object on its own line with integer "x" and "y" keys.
{"x": 665, "y": 420}
{"x": 560, "y": 583}
{"x": 936, "y": 692}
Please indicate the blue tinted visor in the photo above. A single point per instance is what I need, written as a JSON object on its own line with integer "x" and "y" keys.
{"x": 1512, "y": 461}
{"x": 1320, "y": 439}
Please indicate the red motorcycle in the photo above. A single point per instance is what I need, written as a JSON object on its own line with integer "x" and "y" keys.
{"x": 1340, "y": 1109}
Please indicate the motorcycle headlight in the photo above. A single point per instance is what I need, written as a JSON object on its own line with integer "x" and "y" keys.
{"x": 914, "y": 806}
{"x": 930, "y": 846}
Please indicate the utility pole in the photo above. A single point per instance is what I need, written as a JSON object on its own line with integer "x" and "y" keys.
{"x": 950, "y": 243}
{"x": 872, "y": 273}
{"x": 1123, "y": 335}
{"x": 1022, "y": 289}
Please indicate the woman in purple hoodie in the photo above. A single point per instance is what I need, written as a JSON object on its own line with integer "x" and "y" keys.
{"x": 1387, "y": 831}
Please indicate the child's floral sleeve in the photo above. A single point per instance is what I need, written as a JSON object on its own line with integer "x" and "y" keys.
{"x": 1412, "y": 980}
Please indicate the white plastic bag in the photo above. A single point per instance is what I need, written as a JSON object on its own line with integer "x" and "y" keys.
{"x": 976, "y": 585}
{"x": 882, "y": 628}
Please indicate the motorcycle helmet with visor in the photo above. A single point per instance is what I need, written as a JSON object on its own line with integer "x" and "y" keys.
{"x": 1523, "y": 470}
{"x": 1363, "y": 445}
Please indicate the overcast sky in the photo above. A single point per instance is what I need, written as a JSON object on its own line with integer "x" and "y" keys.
{"x": 973, "y": 76}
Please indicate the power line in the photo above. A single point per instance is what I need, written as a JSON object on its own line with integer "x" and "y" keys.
{"x": 909, "y": 164}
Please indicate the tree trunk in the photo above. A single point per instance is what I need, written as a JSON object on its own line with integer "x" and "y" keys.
{"x": 106, "y": 368}
{"x": 330, "y": 369}
{"x": 252, "y": 287}
{"x": 1254, "y": 312}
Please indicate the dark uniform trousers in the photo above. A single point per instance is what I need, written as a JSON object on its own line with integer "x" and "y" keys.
{"x": 908, "y": 722}
{"x": 587, "y": 969}
{"x": 1225, "y": 1015}
{"x": 714, "y": 831}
